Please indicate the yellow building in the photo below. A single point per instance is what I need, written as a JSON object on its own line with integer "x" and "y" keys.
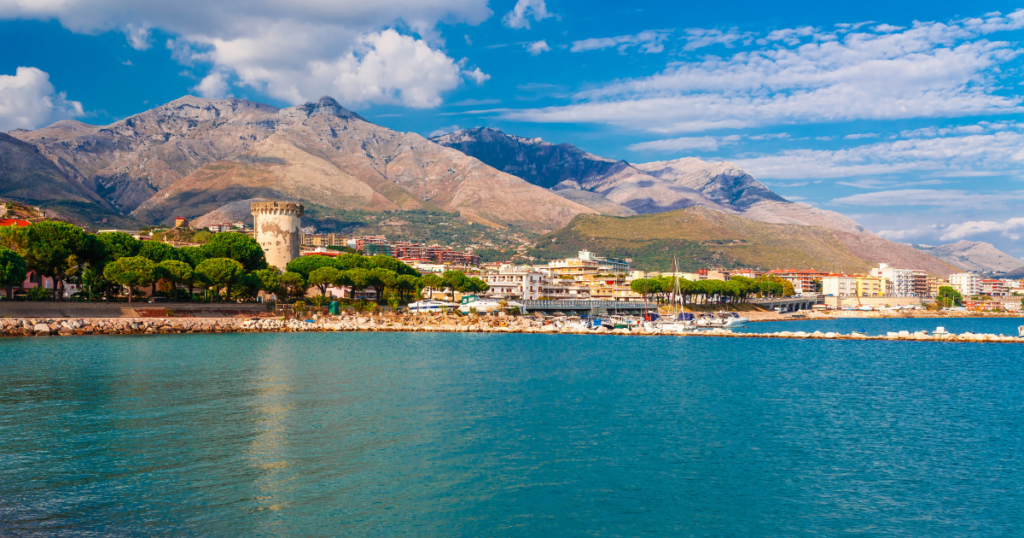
{"x": 870, "y": 286}
{"x": 573, "y": 267}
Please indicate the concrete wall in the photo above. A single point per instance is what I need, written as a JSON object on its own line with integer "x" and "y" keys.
{"x": 837, "y": 302}
{"x": 278, "y": 226}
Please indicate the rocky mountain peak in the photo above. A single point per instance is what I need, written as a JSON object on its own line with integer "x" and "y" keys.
{"x": 325, "y": 106}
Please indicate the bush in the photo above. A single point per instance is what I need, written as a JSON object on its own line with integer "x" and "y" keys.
{"x": 39, "y": 294}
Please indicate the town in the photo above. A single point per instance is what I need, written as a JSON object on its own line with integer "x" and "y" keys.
{"x": 586, "y": 277}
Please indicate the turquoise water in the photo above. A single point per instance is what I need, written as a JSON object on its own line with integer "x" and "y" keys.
{"x": 386, "y": 434}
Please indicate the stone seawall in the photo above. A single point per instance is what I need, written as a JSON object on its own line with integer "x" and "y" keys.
{"x": 407, "y": 323}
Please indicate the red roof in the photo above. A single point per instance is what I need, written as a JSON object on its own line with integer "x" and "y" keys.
{"x": 15, "y": 222}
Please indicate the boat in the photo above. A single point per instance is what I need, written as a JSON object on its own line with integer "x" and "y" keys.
{"x": 429, "y": 306}
{"x": 732, "y": 319}
{"x": 1020, "y": 330}
{"x": 480, "y": 305}
{"x": 682, "y": 323}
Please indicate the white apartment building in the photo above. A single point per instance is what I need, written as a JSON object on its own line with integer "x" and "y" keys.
{"x": 515, "y": 282}
{"x": 839, "y": 285}
{"x": 968, "y": 284}
{"x": 900, "y": 281}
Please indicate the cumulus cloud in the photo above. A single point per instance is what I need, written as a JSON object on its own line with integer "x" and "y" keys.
{"x": 213, "y": 86}
{"x": 1010, "y": 228}
{"x": 649, "y": 41}
{"x": 538, "y": 47}
{"x": 803, "y": 76}
{"x": 524, "y": 10}
{"x": 295, "y": 51}
{"x": 705, "y": 143}
{"x": 28, "y": 101}
{"x": 697, "y": 38}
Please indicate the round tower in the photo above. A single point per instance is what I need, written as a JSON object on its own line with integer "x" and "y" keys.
{"x": 277, "y": 226}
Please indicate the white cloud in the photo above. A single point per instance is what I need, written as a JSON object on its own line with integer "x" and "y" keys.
{"x": 859, "y": 136}
{"x": 520, "y": 15}
{"x": 769, "y": 136}
{"x": 697, "y": 38}
{"x": 649, "y": 41}
{"x": 957, "y": 199}
{"x": 213, "y": 86}
{"x": 443, "y": 131}
{"x": 927, "y": 71}
{"x": 538, "y": 47}
{"x": 295, "y": 51}
{"x": 706, "y": 143}
{"x": 477, "y": 76}
{"x": 28, "y": 100}
{"x": 1008, "y": 228}
{"x": 999, "y": 152}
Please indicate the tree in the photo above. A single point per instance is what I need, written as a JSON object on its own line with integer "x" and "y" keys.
{"x": 380, "y": 279}
{"x": 293, "y": 284}
{"x": 948, "y": 296}
{"x": 221, "y": 272}
{"x": 239, "y": 247}
{"x": 453, "y": 281}
{"x": 360, "y": 279}
{"x": 177, "y": 272}
{"x": 54, "y": 249}
{"x": 323, "y": 277}
{"x": 406, "y": 285}
{"x": 193, "y": 256}
{"x": 131, "y": 272}
{"x": 269, "y": 280}
{"x": 117, "y": 245}
{"x": 645, "y": 287}
{"x": 157, "y": 252}
{"x": 305, "y": 265}
{"x": 432, "y": 281}
{"x": 346, "y": 262}
{"x": 12, "y": 270}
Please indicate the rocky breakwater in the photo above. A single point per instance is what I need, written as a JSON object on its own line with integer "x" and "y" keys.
{"x": 69, "y": 327}
{"x": 429, "y": 323}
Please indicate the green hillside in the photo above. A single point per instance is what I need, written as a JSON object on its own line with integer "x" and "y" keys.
{"x": 700, "y": 237}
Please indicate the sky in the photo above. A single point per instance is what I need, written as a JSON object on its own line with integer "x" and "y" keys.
{"x": 905, "y": 116}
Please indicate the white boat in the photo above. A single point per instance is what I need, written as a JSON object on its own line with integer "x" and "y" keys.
{"x": 1020, "y": 330}
{"x": 732, "y": 319}
{"x": 430, "y": 306}
{"x": 472, "y": 303}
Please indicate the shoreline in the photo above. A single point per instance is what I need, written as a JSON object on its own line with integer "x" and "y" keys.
{"x": 29, "y": 327}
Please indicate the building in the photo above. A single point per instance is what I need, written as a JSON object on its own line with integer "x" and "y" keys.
{"x": 934, "y": 283}
{"x": 968, "y": 284}
{"x": 803, "y": 280}
{"x": 994, "y": 288}
{"x": 870, "y": 286}
{"x": 514, "y": 282}
{"x": 609, "y": 264}
{"x": 361, "y": 242}
{"x": 180, "y": 222}
{"x": 573, "y": 267}
{"x": 900, "y": 282}
{"x": 839, "y": 285}
{"x": 276, "y": 226}
{"x": 324, "y": 240}
{"x": 21, "y": 223}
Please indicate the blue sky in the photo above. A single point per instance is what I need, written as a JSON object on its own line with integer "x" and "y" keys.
{"x": 905, "y": 116}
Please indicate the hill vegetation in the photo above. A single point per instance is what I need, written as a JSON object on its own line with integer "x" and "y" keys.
{"x": 701, "y": 237}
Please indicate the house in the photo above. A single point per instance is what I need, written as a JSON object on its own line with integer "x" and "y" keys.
{"x": 839, "y": 285}
{"x": 180, "y": 222}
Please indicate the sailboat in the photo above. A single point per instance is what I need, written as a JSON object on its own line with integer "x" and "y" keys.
{"x": 684, "y": 321}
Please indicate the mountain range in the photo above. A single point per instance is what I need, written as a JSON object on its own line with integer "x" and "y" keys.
{"x": 207, "y": 159}
{"x": 975, "y": 256}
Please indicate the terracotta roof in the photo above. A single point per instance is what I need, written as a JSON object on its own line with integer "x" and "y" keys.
{"x": 15, "y": 222}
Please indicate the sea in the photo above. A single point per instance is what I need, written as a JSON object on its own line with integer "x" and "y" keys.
{"x": 398, "y": 434}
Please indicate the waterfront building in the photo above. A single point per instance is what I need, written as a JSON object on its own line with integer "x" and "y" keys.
{"x": 901, "y": 282}
{"x": 573, "y": 267}
{"x": 803, "y": 280}
{"x": 994, "y": 288}
{"x": 870, "y": 286}
{"x": 514, "y": 282}
{"x": 968, "y": 284}
{"x": 839, "y": 285}
{"x": 613, "y": 265}
{"x": 324, "y": 240}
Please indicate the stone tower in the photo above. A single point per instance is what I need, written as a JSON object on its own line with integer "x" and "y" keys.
{"x": 277, "y": 226}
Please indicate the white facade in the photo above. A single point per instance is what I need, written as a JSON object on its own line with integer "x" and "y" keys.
{"x": 899, "y": 282}
{"x": 839, "y": 285}
{"x": 968, "y": 284}
{"x": 518, "y": 282}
